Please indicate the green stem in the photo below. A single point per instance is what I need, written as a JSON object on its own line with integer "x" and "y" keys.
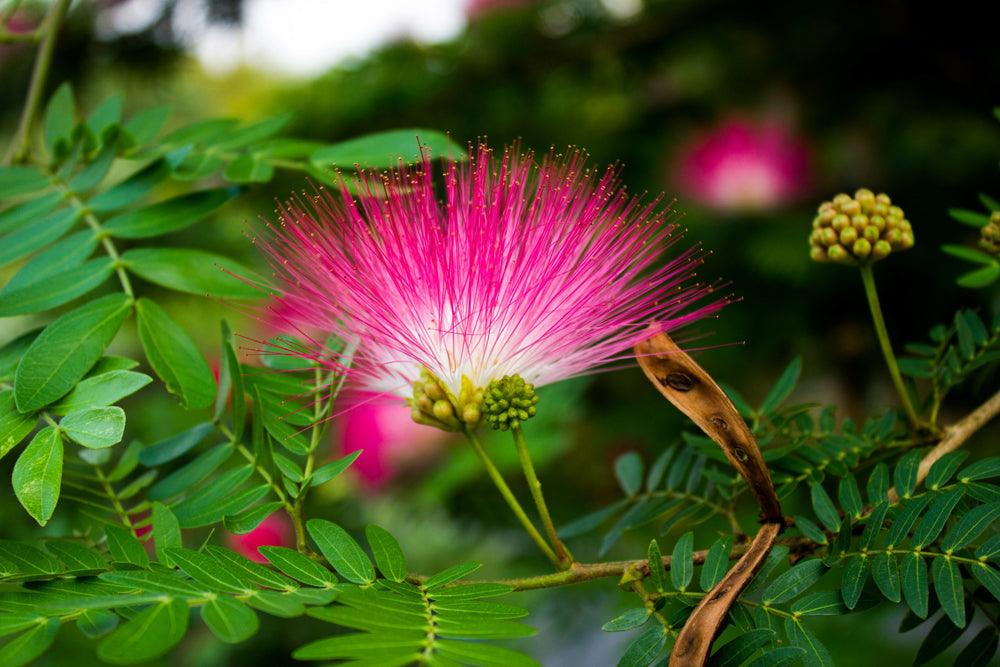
{"x": 109, "y": 491}
{"x": 565, "y": 557}
{"x": 868, "y": 278}
{"x": 512, "y": 502}
{"x": 20, "y": 145}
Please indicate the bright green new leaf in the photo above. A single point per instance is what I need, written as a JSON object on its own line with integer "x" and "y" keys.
{"x": 96, "y": 428}
{"x": 193, "y": 271}
{"x": 229, "y": 620}
{"x": 386, "y": 149}
{"x": 388, "y": 555}
{"x": 326, "y": 472}
{"x": 63, "y": 353}
{"x": 174, "y": 357}
{"x": 168, "y": 216}
{"x": 125, "y": 547}
{"x": 30, "y": 644}
{"x": 37, "y": 476}
{"x": 14, "y": 426}
{"x": 101, "y": 390}
{"x": 298, "y": 567}
{"x": 341, "y": 551}
{"x": 60, "y": 119}
{"x": 208, "y": 572}
{"x": 166, "y": 532}
{"x": 148, "y": 635}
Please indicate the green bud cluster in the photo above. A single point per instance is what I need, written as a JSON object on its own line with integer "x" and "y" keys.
{"x": 859, "y": 229}
{"x": 508, "y": 402}
{"x": 989, "y": 235}
{"x": 432, "y": 404}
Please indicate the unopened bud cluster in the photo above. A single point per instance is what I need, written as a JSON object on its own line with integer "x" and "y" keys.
{"x": 859, "y": 229}
{"x": 509, "y": 401}
{"x": 989, "y": 235}
{"x": 432, "y": 404}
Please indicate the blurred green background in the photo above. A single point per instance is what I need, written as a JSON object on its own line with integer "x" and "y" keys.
{"x": 889, "y": 95}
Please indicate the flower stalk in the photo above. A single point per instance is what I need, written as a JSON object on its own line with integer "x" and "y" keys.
{"x": 868, "y": 278}
{"x": 565, "y": 557}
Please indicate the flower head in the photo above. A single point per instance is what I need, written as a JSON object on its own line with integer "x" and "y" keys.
{"x": 740, "y": 166}
{"x": 543, "y": 270}
{"x": 863, "y": 228}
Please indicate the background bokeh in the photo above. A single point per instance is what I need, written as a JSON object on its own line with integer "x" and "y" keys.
{"x": 748, "y": 114}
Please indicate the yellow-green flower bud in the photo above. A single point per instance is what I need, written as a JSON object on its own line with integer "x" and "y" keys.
{"x": 861, "y": 248}
{"x": 509, "y": 401}
{"x": 989, "y": 235}
{"x": 859, "y": 229}
{"x": 881, "y": 249}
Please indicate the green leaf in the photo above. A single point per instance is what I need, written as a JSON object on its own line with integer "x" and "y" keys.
{"x": 783, "y": 388}
{"x": 816, "y": 653}
{"x": 970, "y": 526}
{"x": 982, "y": 277}
{"x": 850, "y": 496}
{"x": 905, "y": 474}
{"x": 659, "y": 467}
{"x": 654, "y": 558}
{"x": 341, "y": 551}
{"x": 231, "y": 621}
{"x": 941, "y": 635}
{"x": 95, "y": 428}
{"x": 208, "y": 571}
{"x": 174, "y": 357}
{"x": 212, "y": 505}
{"x": 166, "y": 532}
{"x": 94, "y": 623}
{"x": 967, "y": 217}
{"x": 797, "y": 579}
{"x": 193, "y": 271}
{"x": 943, "y": 469}
{"x": 106, "y": 114}
{"x": 101, "y": 390}
{"x": 328, "y": 471}
{"x": 248, "y": 520}
{"x": 131, "y": 189}
{"x": 65, "y": 350}
{"x": 905, "y": 519}
{"x": 168, "y": 216}
{"x": 933, "y": 522}
{"x": 644, "y": 648}
{"x": 17, "y": 181}
{"x": 878, "y": 484}
{"x": 55, "y": 290}
{"x": 810, "y": 529}
{"x": 388, "y": 556}
{"x": 820, "y": 603}
{"x": 779, "y": 657}
{"x": 385, "y": 149}
{"x": 146, "y": 124}
{"x": 628, "y": 471}
{"x": 36, "y": 234}
{"x": 988, "y": 577}
{"x": 885, "y": 572}
{"x": 982, "y": 469}
{"x": 824, "y": 507}
{"x": 916, "y": 587}
{"x": 175, "y": 446}
{"x": 948, "y": 586}
{"x": 681, "y": 562}
{"x": 14, "y": 426}
{"x": 17, "y": 216}
{"x": 298, "y": 567}
{"x": 716, "y": 563}
{"x": 853, "y": 581}
{"x": 629, "y": 620}
{"x": 29, "y": 644}
{"x": 450, "y": 574}
{"x": 76, "y": 556}
{"x": 68, "y": 253}
{"x": 60, "y": 119}
{"x": 151, "y": 633}
{"x": 125, "y": 547}
{"x": 37, "y": 475}
{"x": 487, "y": 655}
{"x": 737, "y": 651}
{"x": 980, "y": 651}
{"x": 190, "y": 474}
{"x": 248, "y": 169}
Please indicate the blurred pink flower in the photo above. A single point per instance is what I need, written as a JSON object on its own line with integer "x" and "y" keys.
{"x": 274, "y": 531}
{"x": 391, "y": 440}
{"x": 739, "y": 165}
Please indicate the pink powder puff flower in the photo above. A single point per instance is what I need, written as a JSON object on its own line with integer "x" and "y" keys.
{"x": 741, "y": 166}
{"x": 274, "y": 531}
{"x": 544, "y": 270}
{"x": 391, "y": 440}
